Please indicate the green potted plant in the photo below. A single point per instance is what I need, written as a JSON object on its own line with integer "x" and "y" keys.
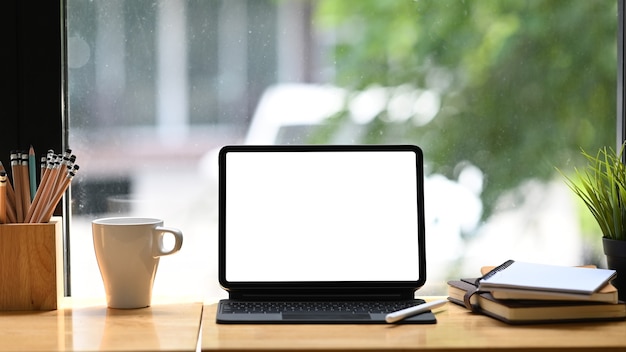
{"x": 602, "y": 187}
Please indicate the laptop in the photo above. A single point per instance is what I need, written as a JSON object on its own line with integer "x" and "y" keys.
{"x": 320, "y": 233}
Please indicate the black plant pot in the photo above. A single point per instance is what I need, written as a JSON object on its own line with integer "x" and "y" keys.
{"x": 615, "y": 252}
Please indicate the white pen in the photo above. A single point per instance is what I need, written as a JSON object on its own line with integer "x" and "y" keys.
{"x": 411, "y": 311}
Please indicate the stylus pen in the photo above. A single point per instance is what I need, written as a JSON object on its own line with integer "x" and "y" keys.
{"x": 411, "y": 311}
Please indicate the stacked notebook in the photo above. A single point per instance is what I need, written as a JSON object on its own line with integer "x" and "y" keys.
{"x": 523, "y": 293}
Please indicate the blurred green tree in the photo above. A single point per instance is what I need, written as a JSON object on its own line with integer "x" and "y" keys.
{"x": 522, "y": 85}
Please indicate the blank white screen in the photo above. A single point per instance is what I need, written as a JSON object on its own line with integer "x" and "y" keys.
{"x": 321, "y": 216}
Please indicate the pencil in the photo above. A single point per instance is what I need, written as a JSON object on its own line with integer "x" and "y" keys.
{"x": 10, "y": 193}
{"x": 17, "y": 184}
{"x": 50, "y": 159}
{"x": 47, "y": 214}
{"x": 45, "y": 189}
{"x": 64, "y": 160}
{"x": 3, "y": 201}
{"x": 26, "y": 199}
{"x": 69, "y": 166}
{"x": 32, "y": 172}
{"x": 42, "y": 167}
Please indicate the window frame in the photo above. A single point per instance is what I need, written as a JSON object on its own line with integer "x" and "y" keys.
{"x": 35, "y": 101}
{"x": 621, "y": 109}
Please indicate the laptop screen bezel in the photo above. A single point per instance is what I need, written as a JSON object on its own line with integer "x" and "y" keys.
{"x": 321, "y": 286}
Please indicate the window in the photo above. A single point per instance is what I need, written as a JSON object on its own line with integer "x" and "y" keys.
{"x": 497, "y": 93}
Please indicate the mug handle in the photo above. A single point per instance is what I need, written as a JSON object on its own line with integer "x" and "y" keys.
{"x": 160, "y": 231}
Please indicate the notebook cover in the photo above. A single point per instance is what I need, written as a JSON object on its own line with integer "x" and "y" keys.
{"x": 607, "y": 294}
{"x": 534, "y": 312}
{"x": 534, "y": 276}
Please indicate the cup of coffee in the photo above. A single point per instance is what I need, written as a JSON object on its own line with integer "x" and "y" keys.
{"x": 128, "y": 250}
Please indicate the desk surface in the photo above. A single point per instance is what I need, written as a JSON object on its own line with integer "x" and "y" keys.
{"x": 85, "y": 326}
{"x": 456, "y": 330}
{"x": 170, "y": 326}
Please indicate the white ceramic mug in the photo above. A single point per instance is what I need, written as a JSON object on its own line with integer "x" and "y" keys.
{"x": 128, "y": 251}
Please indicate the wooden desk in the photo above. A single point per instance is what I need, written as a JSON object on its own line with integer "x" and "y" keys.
{"x": 175, "y": 327}
{"x": 456, "y": 330}
{"x": 84, "y": 326}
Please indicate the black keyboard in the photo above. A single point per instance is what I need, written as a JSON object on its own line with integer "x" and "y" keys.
{"x": 349, "y": 307}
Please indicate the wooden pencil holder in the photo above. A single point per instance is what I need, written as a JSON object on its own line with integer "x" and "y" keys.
{"x": 31, "y": 266}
